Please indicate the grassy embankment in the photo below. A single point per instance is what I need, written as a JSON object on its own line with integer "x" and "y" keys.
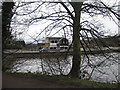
{"x": 71, "y": 81}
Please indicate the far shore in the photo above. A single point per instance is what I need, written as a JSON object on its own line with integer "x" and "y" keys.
{"x": 31, "y": 54}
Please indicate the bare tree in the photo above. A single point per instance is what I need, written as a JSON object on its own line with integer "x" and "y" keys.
{"x": 67, "y": 15}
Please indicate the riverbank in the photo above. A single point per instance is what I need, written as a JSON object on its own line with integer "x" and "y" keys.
{"x": 30, "y": 54}
{"x": 32, "y": 80}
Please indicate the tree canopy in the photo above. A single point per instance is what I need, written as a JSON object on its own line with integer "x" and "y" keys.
{"x": 6, "y": 21}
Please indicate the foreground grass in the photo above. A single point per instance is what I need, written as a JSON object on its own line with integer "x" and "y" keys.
{"x": 71, "y": 81}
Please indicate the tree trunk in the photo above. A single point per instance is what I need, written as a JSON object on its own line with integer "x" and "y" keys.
{"x": 75, "y": 71}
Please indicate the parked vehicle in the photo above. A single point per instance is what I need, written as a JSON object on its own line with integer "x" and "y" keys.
{"x": 44, "y": 50}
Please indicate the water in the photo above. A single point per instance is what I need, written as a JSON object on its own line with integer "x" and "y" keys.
{"x": 50, "y": 66}
{"x": 94, "y": 67}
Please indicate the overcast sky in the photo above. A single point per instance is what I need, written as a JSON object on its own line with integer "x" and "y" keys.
{"x": 32, "y": 31}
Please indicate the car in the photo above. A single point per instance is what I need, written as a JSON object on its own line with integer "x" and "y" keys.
{"x": 44, "y": 50}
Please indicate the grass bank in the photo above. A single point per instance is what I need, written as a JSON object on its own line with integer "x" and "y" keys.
{"x": 71, "y": 81}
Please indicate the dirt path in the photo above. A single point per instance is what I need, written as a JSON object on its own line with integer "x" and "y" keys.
{"x": 23, "y": 81}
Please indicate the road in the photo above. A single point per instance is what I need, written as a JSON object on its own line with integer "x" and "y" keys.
{"x": 25, "y": 51}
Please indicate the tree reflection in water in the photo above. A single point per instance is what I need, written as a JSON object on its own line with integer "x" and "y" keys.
{"x": 99, "y": 67}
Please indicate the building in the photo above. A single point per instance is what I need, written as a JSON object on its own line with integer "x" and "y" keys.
{"x": 63, "y": 43}
{"x": 43, "y": 45}
{"x": 54, "y": 43}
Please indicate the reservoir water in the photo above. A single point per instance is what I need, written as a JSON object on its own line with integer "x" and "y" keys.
{"x": 94, "y": 67}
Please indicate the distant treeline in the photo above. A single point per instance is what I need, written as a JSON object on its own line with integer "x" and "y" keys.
{"x": 15, "y": 45}
{"x": 107, "y": 41}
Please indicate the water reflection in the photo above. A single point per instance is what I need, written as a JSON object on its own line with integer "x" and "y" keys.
{"x": 94, "y": 67}
{"x": 50, "y": 66}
